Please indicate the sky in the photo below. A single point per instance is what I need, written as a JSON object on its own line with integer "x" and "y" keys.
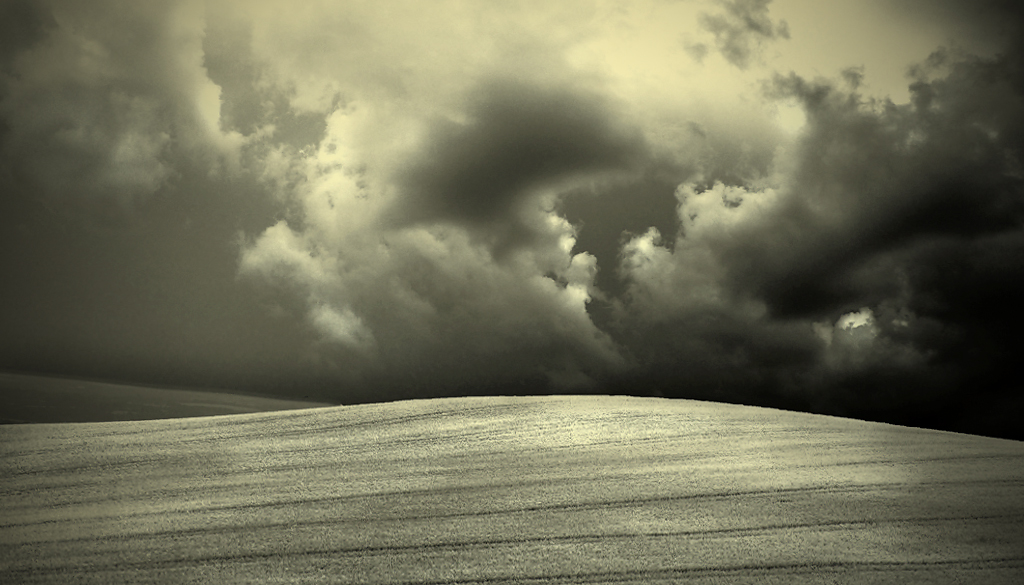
{"x": 809, "y": 205}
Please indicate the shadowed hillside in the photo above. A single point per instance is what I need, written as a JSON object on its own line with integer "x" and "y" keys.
{"x": 48, "y": 399}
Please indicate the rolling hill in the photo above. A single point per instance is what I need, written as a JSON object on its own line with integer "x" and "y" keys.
{"x": 585, "y": 489}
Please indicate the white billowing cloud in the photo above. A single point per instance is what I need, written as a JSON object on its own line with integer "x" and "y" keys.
{"x": 110, "y": 98}
{"x": 427, "y": 196}
{"x": 424, "y": 223}
{"x": 863, "y": 317}
{"x": 438, "y": 121}
{"x": 661, "y": 287}
{"x": 851, "y": 337}
{"x": 343, "y": 326}
{"x": 431, "y": 298}
{"x": 687, "y": 274}
{"x": 426, "y": 302}
{"x": 282, "y": 254}
{"x": 856, "y": 342}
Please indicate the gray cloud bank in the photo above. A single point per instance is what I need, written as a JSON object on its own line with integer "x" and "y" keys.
{"x": 740, "y": 29}
{"x": 426, "y": 206}
{"x": 907, "y": 219}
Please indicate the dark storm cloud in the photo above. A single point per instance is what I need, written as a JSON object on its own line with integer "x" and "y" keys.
{"x": 993, "y": 18}
{"x": 22, "y": 24}
{"x": 947, "y": 165}
{"x": 740, "y": 30}
{"x": 120, "y": 207}
{"x": 908, "y": 218}
{"x": 101, "y": 101}
{"x": 517, "y": 136}
{"x": 597, "y": 214}
{"x": 151, "y": 298}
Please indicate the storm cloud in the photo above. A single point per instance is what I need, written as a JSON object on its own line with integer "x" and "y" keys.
{"x": 518, "y": 139}
{"x": 894, "y": 230}
{"x": 385, "y": 200}
{"x": 98, "y": 101}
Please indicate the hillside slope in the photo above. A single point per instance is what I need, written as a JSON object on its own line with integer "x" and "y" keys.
{"x": 503, "y": 490}
{"x": 27, "y": 398}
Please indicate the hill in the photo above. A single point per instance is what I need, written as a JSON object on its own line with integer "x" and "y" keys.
{"x": 592, "y": 489}
{"x": 28, "y": 398}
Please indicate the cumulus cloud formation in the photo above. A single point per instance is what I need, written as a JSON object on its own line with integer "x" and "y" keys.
{"x": 405, "y": 199}
{"x": 430, "y": 296}
{"x": 912, "y": 212}
{"x": 436, "y": 218}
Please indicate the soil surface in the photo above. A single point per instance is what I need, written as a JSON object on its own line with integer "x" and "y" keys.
{"x": 542, "y": 490}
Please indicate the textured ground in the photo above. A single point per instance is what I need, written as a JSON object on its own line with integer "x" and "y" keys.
{"x": 503, "y": 490}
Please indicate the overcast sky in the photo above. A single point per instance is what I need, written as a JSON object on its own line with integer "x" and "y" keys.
{"x": 809, "y": 204}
